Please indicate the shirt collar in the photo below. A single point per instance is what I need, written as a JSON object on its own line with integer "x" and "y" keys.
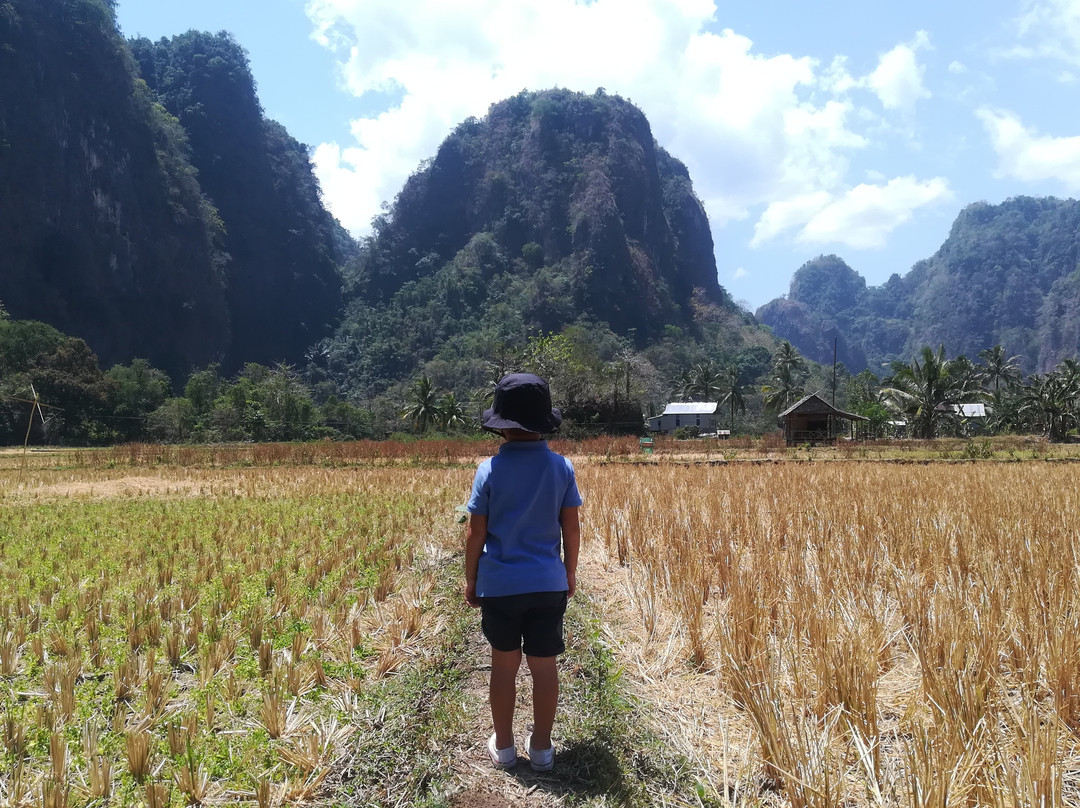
{"x": 522, "y": 445}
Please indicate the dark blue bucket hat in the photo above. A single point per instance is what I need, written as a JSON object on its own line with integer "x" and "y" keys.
{"x": 522, "y": 401}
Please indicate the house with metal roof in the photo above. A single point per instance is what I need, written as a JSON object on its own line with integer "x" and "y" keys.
{"x": 677, "y": 414}
{"x": 814, "y": 420}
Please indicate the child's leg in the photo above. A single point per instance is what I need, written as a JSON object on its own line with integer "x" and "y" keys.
{"x": 545, "y": 676}
{"x": 503, "y": 694}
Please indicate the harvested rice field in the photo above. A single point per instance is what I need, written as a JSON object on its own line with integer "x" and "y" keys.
{"x": 754, "y": 626}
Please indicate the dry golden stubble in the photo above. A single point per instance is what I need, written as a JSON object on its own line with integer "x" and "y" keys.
{"x": 138, "y": 744}
{"x": 885, "y": 568}
{"x": 157, "y": 795}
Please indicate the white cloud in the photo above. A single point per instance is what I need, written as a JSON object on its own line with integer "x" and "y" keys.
{"x": 898, "y": 78}
{"x": 1026, "y": 155}
{"x": 1049, "y": 29}
{"x": 752, "y": 128}
{"x": 957, "y": 67}
{"x": 861, "y": 217}
{"x": 739, "y": 272}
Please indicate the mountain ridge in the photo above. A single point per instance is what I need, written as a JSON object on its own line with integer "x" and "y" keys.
{"x": 1006, "y": 274}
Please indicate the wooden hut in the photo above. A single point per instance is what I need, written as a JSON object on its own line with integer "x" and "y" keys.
{"x": 813, "y": 420}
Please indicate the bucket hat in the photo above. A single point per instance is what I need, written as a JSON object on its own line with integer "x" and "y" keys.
{"x": 522, "y": 401}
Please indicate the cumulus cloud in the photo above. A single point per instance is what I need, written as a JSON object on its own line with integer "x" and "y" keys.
{"x": 898, "y": 78}
{"x": 756, "y": 131}
{"x": 861, "y": 217}
{"x": 739, "y": 272}
{"x": 1049, "y": 29}
{"x": 1026, "y": 155}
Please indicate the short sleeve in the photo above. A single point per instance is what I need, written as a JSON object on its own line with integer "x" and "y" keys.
{"x": 478, "y": 500}
{"x": 572, "y": 498}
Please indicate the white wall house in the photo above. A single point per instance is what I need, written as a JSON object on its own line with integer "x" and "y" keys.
{"x": 701, "y": 414}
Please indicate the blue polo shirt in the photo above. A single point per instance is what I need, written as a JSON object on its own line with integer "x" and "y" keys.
{"x": 521, "y": 491}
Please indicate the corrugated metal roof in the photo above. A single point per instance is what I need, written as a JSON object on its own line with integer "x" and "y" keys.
{"x": 690, "y": 408}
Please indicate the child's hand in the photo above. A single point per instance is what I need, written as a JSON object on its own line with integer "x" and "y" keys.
{"x": 571, "y": 580}
{"x": 470, "y": 594}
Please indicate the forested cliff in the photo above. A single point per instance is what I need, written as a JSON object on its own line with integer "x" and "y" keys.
{"x": 1007, "y": 275}
{"x": 557, "y": 208}
{"x": 156, "y": 215}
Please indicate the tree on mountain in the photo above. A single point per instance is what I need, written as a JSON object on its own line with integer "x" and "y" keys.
{"x": 925, "y": 391}
{"x": 423, "y": 408}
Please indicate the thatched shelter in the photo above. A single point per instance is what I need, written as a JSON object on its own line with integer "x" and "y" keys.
{"x": 813, "y": 420}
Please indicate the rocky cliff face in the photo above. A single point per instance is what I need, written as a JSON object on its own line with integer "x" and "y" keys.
{"x": 1008, "y": 274}
{"x": 147, "y": 205}
{"x": 575, "y": 182}
{"x": 104, "y": 230}
{"x": 283, "y": 290}
{"x": 556, "y": 209}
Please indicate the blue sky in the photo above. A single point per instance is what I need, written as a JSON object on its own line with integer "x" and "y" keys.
{"x": 853, "y": 128}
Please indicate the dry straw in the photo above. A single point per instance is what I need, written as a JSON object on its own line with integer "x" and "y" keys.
{"x": 873, "y": 627}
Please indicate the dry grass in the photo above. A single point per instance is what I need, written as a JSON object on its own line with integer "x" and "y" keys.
{"x": 891, "y": 634}
{"x": 812, "y": 633}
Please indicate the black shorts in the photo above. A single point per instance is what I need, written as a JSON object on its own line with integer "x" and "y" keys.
{"x": 532, "y": 623}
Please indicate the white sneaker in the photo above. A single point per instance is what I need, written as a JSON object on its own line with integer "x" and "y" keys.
{"x": 541, "y": 760}
{"x": 501, "y": 758}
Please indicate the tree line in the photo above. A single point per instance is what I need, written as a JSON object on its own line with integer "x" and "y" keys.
{"x": 600, "y": 391}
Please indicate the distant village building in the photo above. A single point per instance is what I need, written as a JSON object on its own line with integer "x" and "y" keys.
{"x": 701, "y": 414}
{"x": 970, "y": 410}
{"x": 813, "y": 420}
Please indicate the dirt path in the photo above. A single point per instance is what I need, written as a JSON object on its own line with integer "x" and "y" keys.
{"x": 608, "y": 747}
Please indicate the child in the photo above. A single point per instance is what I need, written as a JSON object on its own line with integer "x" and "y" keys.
{"x": 524, "y": 506}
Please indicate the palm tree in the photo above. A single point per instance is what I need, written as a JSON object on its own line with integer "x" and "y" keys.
{"x": 680, "y": 385}
{"x": 706, "y": 382}
{"x": 423, "y": 409}
{"x": 733, "y": 398}
{"x": 1051, "y": 401}
{"x": 783, "y": 390}
{"x": 788, "y": 357}
{"x": 785, "y": 386}
{"x": 998, "y": 368}
{"x": 451, "y": 413}
{"x": 925, "y": 392}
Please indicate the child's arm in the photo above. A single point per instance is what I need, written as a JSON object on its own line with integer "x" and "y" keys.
{"x": 474, "y": 546}
{"x": 571, "y": 543}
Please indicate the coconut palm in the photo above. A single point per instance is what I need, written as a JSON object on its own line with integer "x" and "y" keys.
{"x": 785, "y": 387}
{"x": 787, "y": 357}
{"x": 733, "y": 398}
{"x": 998, "y": 368}
{"x": 1051, "y": 402}
{"x": 706, "y": 382}
{"x": 423, "y": 409}
{"x": 925, "y": 392}
{"x": 782, "y": 391}
{"x": 451, "y": 413}
{"x": 680, "y": 385}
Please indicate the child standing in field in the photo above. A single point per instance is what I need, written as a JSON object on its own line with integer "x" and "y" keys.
{"x": 523, "y": 511}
